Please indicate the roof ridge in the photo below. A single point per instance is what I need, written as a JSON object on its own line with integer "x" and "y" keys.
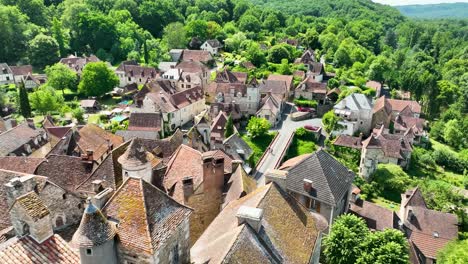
{"x": 322, "y": 172}
{"x": 94, "y": 171}
{"x": 148, "y": 232}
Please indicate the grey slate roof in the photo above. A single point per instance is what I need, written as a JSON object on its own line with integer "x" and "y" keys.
{"x": 129, "y": 134}
{"x": 94, "y": 229}
{"x": 235, "y": 146}
{"x": 355, "y": 102}
{"x": 330, "y": 179}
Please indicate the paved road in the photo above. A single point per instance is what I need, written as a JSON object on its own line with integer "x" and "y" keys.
{"x": 271, "y": 158}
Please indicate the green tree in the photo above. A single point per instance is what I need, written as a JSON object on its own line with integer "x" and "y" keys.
{"x": 60, "y": 36}
{"x": 331, "y": 122}
{"x": 454, "y": 253}
{"x": 284, "y": 67}
{"x": 271, "y": 23}
{"x": 25, "y": 107}
{"x": 453, "y": 134}
{"x": 78, "y": 114}
{"x": 197, "y": 28}
{"x": 60, "y": 77}
{"x": 34, "y": 9}
{"x": 343, "y": 244}
{"x": 233, "y": 43}
{"x": 229, "y": 130}
{"x": 258, "y": 126}
{"x": 155, "y": 15}
{"x": 44, "y": 50}
{"x": 175, "y": 35}
{"x": 249, "y": 23}
{"x": 255, "y": 54}
{"x": 311, "y": 38}
{"x": 380, "y": 69}
{"x": 388, "y": 246}
{"x": 97, "y": 79}
{"x": 391, "y": 181}
{"x": 277, "y": 53}
{"x": 14, "y": 33}
{"x": 45, "y": 100}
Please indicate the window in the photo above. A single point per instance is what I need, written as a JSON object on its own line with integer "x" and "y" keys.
{"x": 64, "y": 196}
{"x": 59, "y": 221}
{"x": 175, "y": 254}
{"x": 89, "y": 252}
{"x": 129, "y": 79}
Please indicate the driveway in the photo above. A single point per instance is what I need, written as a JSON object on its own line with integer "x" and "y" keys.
{"x": 272, "y": 157}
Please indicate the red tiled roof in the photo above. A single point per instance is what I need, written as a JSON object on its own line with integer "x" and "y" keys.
{"x": 185, "y": 162}
{"x": 21, "y": 70}
{"x": 396, "y": 105}
{"x": 196, "y": 55}
{"x": 145, "y": 122}
{"x": 376, "y": 217}
{"x": 26, "y": 250}
{"x": 288, "y": 79}
{"x": 92, "y": 137}
{"x": 348, "y": 141}
{"x": 20, "y": 164}
{"x": 146, "y": 215}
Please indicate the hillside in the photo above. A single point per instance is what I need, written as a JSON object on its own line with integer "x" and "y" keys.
{"x": 453, "y": 10}
{"x": 351, "y": 9}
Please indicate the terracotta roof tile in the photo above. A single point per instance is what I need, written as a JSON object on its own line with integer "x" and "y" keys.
{"x": 146, "y": 215}
{"x": 185, "y": 162}
{"x": 197, "y": 56}
{"x": 376, "y": 217}
{"x": 20, "y": 164}
{"x": 16, "y": 137}
{"x": 239, "y": 185}
{"x": 26, "y": 250}
{"x": 92, "y": 137}
{"x": 145, "y": 122}
{"x": 348, "y": 141}
{"x": 22, "y": 70}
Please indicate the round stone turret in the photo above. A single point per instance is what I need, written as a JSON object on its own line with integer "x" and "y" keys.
{"x": 136, "y": 161}
{"x": 95, "y": 237}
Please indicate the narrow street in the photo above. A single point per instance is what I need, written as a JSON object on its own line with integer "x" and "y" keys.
{"x": 272, "y": 157}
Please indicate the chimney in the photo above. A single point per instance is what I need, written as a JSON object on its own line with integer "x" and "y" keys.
{"x": 236, "y": 164}
{"x": 30, "y": 122}
{"x": 19, "y": 186}
{"x": 89, "y": 154}
{"x": 213, "y": 172}
{"x": 101, "y": 198}
{"x": 276, "y": 176}
{"x": 307, "y": 185}
{"x": 250, "y": 215}
{"x": 97, "y": 186}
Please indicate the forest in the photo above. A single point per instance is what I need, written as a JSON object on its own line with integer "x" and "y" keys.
{"x": 358, "y": 39}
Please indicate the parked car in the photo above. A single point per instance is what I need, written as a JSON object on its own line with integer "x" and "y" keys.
{"x": 305, "y": 109}
{"x": 312, "y": 128}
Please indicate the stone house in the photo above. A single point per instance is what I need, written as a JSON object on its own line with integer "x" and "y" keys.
{"x": 31, "y": 218}
{"x": 381, "y": 147}
{"x": 355, "y": 110}
{"x": 130, "y": 72}
{"x": 307, "y": 57}
{"x": 217, "y": 129}
{"x": 279, "y": 88}
{"x": 201, "y": 56}
{"x": 194, "y": 68}
{"x": 386, "y": 110}
{"x": 90, "y": 105}
{"x": 312, "y": 90}
{"x": 64, "y": 207}
{"x": 316, "y": 71}
{"x": 428, "y": 231}
{"x": 232, "y": 87}
{"x": 21, "y": 72}
{"x": 271, "y": 107}
{"x": 197, "y": 181}
{"x": 318, "y": 181}
{"x": 213, "y": 46}
{"x": 77, "y": 64}
{"x": 267, "y": 225}
{"x": 238, "y": 149}
{"x": 176, "y": 108}
{"x": 22, "y": 140}
{"x": 287, "y": 79}
{"x": 377, "y": 86}
{"x": 6, "y": 75}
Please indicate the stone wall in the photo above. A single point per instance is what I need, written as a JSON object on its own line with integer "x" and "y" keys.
{"x": 178, "y": 243}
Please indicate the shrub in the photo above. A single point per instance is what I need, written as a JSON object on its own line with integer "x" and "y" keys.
{"x": 305, "y": 103}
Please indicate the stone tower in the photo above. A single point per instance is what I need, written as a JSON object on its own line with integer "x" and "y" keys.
{"x": 28, "y": 214}
{"x": 136, "y": 162}
{"x": 95, "y": 237}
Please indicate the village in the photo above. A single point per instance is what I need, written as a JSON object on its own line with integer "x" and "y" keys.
{"x": 194, "y": 162}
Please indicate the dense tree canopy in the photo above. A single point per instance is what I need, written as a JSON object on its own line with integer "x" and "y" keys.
{"x": 97, "y": 79}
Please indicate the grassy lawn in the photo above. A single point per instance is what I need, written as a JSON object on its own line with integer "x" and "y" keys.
{"x": 93, "y": 119}
{"x": 301, "y": 145}
{"x": 258, "y": 145}
{"x": 386, "y": 204}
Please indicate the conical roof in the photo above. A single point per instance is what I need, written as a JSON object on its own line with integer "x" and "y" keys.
{"x": 135, "y": 154}
{"x": 94, "y": 229}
